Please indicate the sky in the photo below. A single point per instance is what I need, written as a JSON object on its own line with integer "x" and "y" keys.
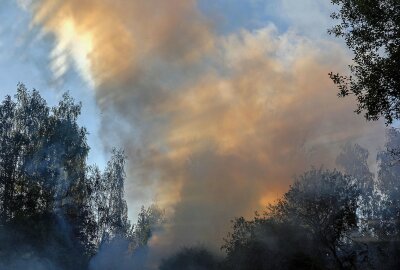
{"x": 217, "y": 103}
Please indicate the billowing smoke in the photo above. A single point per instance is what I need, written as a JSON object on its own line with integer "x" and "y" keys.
{"x": 215, "y": 126}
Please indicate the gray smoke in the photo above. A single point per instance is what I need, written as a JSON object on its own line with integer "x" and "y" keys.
{"x": 214, "y": 126}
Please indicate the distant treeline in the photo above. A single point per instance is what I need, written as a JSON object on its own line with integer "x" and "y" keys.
{"x": 56, "y": 212}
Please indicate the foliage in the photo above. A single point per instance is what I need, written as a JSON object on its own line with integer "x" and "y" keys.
{"x": 389, "y": 183}
{"x": 52, "y": 204}
{"x": 371, "y": 29}
{"x": 149, "y": 221}
{"x": 265, "y": 243}
{"x": 316, "y": 216}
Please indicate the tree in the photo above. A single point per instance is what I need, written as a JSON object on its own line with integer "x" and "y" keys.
{"x": 371, "y": 29}
{"x": 354, "y": 161}
{"x": 267, "y": 243}
{"x": 149, "y": 220}
{"x": 8, "y": 155}
{"x": 52, "y": 204}
{"x": 128, "y": 250}
{"x": 106, "y": 201}
{"x": 310, "y": 227}
{"x": 389, "y": 185}
{"x": 117, "y": 212}
{"x": 325, "y": 202}
{"x": 42, "y": 167}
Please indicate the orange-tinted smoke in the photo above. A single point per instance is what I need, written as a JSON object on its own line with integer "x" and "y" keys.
{"x": 214, "y": 126}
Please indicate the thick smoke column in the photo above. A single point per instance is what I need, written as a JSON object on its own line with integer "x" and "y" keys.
{"x": 215, "y": 126}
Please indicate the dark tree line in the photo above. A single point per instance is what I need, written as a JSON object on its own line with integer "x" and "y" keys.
{"x": 54, "y": 208}
{"x": 328, "y": 219}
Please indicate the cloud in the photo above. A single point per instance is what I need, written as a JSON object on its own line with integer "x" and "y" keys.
{"x": 214, "y": 126}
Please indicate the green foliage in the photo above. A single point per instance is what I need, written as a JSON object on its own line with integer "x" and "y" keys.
{"x": 52, "y": 205}
{"x": 149, "y": 221}
{"x": 371, "y": 29}
{"x": 42, "y": 170}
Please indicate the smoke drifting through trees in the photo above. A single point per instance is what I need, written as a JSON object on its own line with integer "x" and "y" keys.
{"x": 58, "y": 213}
{"x": 326, "y": 220}
{"x": 199, "y": 114}
{"x": 55, "y": 211}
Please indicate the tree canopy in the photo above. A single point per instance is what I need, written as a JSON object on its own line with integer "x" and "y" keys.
{"x": 55, "y": 210}
{"x": 371, "y": 29}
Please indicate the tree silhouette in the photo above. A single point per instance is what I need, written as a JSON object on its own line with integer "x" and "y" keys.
{"x": 371, "y": 29}
{"x": 52, "y": 204}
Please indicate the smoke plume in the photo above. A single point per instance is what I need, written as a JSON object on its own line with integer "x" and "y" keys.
{"x": 214, "y": 125}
